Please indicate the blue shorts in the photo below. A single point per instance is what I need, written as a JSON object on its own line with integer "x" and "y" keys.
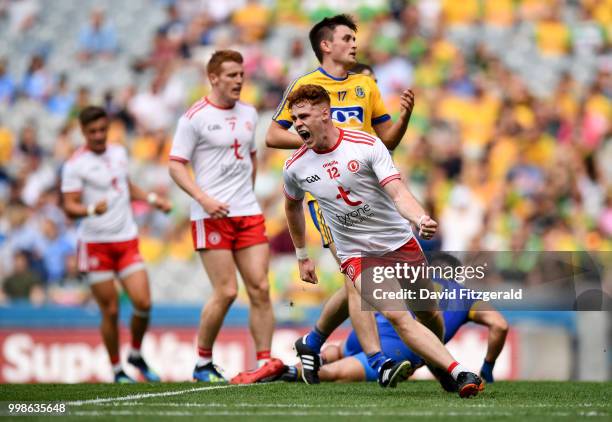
{"x": 370, "y": 373}
{"x": 393, "y": 347}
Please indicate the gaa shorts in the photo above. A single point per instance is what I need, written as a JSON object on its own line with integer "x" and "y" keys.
{"x": 411, "y": 252}
{"x": 101, "y": 261}
{"x": 231, "y": 233}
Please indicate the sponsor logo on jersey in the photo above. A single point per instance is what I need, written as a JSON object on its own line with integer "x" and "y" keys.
{"x": 356, "y": 216}
{"x": 347, "y": 114}
{"x": 359, "y": 92}
{"x": 344, "y": 194}
{"x": 236, "y": 145}
{"x": 214, "y": 127}
{"x": 249, "y": 126}
{"x": 330, "y": 164}
{"x": 353, "y": 166}
{"x": 236, "y": 167}
{"x": 313, "y": 178}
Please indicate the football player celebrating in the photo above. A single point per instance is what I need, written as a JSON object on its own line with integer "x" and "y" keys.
{"x": 362, "y": 180}
{"x": 96, "y": 187}
{"x": 356, "y": 103}
{"x": 217, "y": 135}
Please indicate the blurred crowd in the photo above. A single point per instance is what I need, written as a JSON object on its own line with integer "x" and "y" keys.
{"x": 509, "y": 145}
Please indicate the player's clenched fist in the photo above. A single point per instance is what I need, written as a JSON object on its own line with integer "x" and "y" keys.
{"x": 214, "y": 208}
{"x": 101, "y": 207}
{"x": 162, "y": 204}
{"x": 427, "y": 227}
{"x": 307, "y": 271}
{"x": 407, "y": 102}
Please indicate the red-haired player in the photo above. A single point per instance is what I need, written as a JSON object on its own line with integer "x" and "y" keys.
{"x": 217, "y": 136}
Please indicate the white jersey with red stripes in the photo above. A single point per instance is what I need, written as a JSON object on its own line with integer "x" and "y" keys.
{"x": 348, "y": 181}
{"x": 102, "y": 177}
{"x": 220, "y": 143}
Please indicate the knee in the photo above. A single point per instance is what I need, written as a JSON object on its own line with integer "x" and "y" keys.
{"x": 259, "y": 293}
{"x": 500, "y": 325}
{"x": 427, "y": 315}
{"x": 110, "y": 311}
{"x": 331, "y": 353}
{"x": 227, "y": 295}
{"x": 142, "y": 304}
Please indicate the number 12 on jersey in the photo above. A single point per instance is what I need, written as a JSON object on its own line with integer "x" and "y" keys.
{"x": 333, "y": 173}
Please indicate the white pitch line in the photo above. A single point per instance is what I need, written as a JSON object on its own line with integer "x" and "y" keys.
{"x": 403, "y": 413}
{"x": 282, "y": 413}
{"x": 254, "y": 405}
{"x": 149, "y": 395}
{"x": 458, "y": 405}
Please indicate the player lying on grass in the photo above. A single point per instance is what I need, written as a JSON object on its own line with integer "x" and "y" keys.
{"x": 355, "y": 174}
{"x": 348, "y": 362}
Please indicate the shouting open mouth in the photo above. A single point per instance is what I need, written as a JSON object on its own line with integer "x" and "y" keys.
{"x": 304, "y": 134}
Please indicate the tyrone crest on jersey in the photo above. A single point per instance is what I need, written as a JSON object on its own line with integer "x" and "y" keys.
{"x": 353, "y": 166}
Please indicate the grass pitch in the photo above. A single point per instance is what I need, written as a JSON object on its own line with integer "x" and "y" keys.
{"x": 422, "y": 400}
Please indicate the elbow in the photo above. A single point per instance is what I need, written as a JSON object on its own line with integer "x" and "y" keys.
{"x": 270, "y": 142}
{"x": 391, "y": 144}
{"x": 69, "y": 212}
{"x": 500, "y": 326}
{"x": 272, "y": 135}
{"x": 291, "y": 206}
{"x": 398, "y": 199}
{"x": 288, "y": 206}
{"x": 173, "y": 169}
{"x": 390, "y": 141}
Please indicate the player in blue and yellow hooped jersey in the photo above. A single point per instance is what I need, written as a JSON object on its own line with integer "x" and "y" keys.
{"x": 456, "y": 314}
{"x": 356, "y": 103}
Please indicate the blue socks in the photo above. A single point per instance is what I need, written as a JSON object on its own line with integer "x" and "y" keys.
{"x": 315, "y": 339}
{"x": 486, "y": 372}
{"x": 376, "y": 360}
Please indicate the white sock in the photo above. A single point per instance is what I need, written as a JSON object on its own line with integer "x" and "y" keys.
{"x": 262, "y": 362}
{"x": 117, "y": 368}
{"x": 203, "y": 361}
{"x": 457, "y": 370}
{"x": 135, "y": 353}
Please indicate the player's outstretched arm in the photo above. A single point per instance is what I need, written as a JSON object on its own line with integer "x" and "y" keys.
{"x": 410, "y": 209}
{"x": 76, "y": 209}
{"x": 391, "y": 133}
{"x": 180, "y": 174}
{"x": 294, "y": 211}
{"x": 280, "y": 138}
{"x": 159, "y": 202}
